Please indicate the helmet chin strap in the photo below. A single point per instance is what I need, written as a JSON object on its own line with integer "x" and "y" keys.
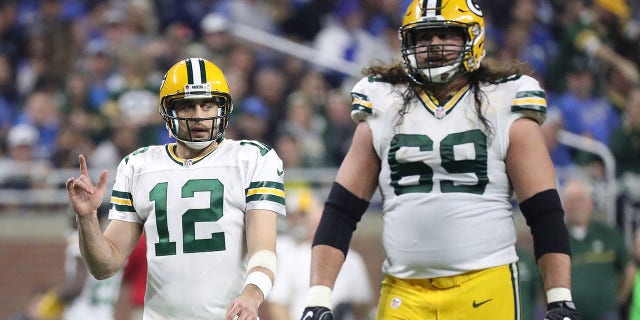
{"x": 441, "y": 74}
{"x": 437, "y": 75}
{"x": 196, "y": 145}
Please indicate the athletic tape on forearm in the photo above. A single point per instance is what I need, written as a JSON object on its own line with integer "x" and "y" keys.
{"x": 319, "y": 296}
{"x": 558, "y": 294}
{"x": 263, "y": 258}
{"x": 260, "y": 280}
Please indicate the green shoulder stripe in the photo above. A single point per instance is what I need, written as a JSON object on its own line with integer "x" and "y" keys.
{"x": 532, "y": 104}
{"x": 122, "y": 201}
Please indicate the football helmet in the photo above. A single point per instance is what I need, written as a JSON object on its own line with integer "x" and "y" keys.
{"x": 423, "y": 15}
{"x": 195, "y": 79}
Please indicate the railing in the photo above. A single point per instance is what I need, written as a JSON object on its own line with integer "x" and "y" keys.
{"x": 609, "y": 185}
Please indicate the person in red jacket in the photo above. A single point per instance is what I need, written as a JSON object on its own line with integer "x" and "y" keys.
{"x": 135, "y": 277}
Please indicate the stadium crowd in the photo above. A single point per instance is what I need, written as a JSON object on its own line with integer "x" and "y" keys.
{"x": 82, "y": 76}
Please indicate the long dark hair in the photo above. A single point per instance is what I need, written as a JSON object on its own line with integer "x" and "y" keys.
{"x": 491, "y": 71}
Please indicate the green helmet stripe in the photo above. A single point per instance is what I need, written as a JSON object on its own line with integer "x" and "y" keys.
{"x": 189, "y": 72}
{"x": 203, "y": 72}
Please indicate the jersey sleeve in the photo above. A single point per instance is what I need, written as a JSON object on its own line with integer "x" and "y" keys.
{"x": 266, "y": 184}
{"x": 530, "y": 100}
{"x": 122, "y": 206}
{"x": 361, "y": 105}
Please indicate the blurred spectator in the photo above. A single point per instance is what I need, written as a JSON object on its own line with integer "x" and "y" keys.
{"x": 523, "y": 36}
{"x": 242, "y": 57}
{"x": 31, "y": 67}
{"x": 269, "y": 86}
{"x": 21, "y": 169}
{"x": 305, "y": 21}
{"x": 8, "y": 95}
{"x": 352, "y": 290}
{"x": 81, "y": 296}
{"x": 42, "y": 111}
{"x": 593, "y": 35}
{"x": 124, "y": 138}
{"x": 345, "y": 38}
{"x": 8, "y": 88}
{"x": 31, "y": 309}
{"x": 315, "y": 87}
{"x": 600, "y": 261}
{"x": 135, "y": 278}
{"x": 70, "y": 143}
{"x": 78, "y": 110}
{"x": 561, "y": 154}
{"x": 634, "y": 308}
{"x": 625, "y": 147}
{"x": 584, "y": 112}
{"x": 135, "y": 97}
{"x": 308, "y": 128}
{"x": 530, "y": 284}
{"x": 12, "y": 35}
{"x": 58, "y": 44}
{"x": 253, "y": 121}
{"x": 625, "y": 138}
{"x": 340, "y": 127}
{"x": 288, "y": 147}
{"x": 254, "y": 13}
{"x": 99, "y": 67}
{"x": 238, "y": 84}
{"x": 216, "y": 38}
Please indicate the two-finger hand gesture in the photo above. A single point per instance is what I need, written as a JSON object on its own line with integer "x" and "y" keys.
{"x": 85, "y": 198}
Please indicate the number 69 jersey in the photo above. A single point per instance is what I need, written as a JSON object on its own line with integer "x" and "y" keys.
{"x": 446, "y": 195}
{"x": 193, "y": 213}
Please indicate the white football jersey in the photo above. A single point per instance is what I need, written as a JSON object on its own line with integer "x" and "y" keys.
{"x": 193, "y": 213}
{"x": 446, "y": 195}
{"x": 98, "y": 297}
{"x": 292, "y": 283}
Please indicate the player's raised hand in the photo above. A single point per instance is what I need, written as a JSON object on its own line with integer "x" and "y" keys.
{"x": 84, "y": 196}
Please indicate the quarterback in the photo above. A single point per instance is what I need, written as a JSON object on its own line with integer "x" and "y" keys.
{"x": 447, "y": 141}
{"x": 208, "y": 206}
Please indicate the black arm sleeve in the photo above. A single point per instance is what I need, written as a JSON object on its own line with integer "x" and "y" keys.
{"x": 342, "y": 212}
{"x": 545, "y": 216}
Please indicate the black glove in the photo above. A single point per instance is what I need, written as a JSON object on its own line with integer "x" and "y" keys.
{"x": 562, "y": 310}
{"x": 316, "y": 313}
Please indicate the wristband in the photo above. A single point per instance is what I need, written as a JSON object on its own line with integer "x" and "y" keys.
{"x": 260, "y": 280}
{"x": 558, "y": 294}
{"x": 319, "y": 296}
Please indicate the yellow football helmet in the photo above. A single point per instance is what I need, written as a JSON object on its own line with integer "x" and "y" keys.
{"x": 422, "y": 15}
{"x": 195, "y": 79}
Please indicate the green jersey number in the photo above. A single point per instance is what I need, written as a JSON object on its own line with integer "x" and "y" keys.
{"x": 166, "y": 247}
{"x": 402, "y": 168}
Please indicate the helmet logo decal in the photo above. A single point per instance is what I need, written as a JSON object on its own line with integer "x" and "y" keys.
{"x": 474, "y": 7}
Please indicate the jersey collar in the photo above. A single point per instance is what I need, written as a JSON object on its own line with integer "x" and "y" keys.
{"x": 435, "y": 108}
{"x": 170, "y": 148}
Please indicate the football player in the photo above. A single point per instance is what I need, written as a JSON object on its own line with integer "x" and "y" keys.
{"x": 208, "y": 206}
{"x": 447, "y": 140}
